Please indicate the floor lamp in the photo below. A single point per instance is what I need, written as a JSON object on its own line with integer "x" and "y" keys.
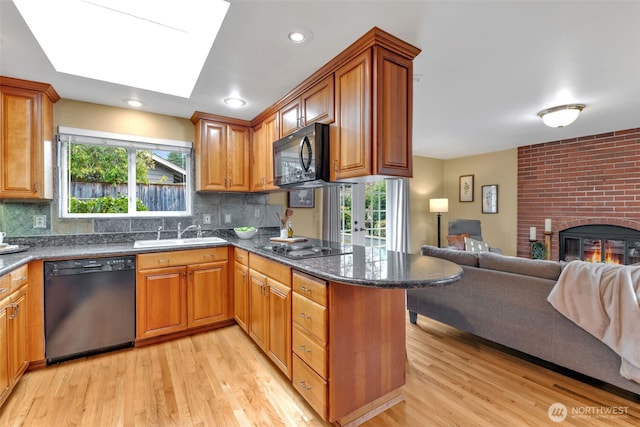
{"x": 439, "y": 206}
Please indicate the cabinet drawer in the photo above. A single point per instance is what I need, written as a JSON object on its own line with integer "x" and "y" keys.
{"x": 176, "y": 258}
{"x": 311, "y": 287}
{"x": 273, "y": 269}
{"x": 310, "y": 316}
{"x": 241, "y": 256}
{"x": 310, "y": 386}
{"x": 5, "y": 285}
{"x": 19, "y": 277}
{"x": 308, "y": 349}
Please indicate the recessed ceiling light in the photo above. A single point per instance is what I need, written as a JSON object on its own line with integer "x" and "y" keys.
{"x": 299, "y": 35}
{"x": 157, "y": 46}
{"x": 296, "y": 37}
{"x": 134, "y": 103}
{"x": 235, "y": 102}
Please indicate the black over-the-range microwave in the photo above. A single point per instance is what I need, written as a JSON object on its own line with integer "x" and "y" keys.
{"x": 302, "y": 158}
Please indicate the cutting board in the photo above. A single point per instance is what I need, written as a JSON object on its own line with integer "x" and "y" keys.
{"x": 288, "y": 239}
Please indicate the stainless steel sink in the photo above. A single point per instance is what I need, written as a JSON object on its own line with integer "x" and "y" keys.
{"x": 177, "y": 242}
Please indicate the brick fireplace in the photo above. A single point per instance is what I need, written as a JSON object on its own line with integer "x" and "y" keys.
{"x": 575, "y": 182}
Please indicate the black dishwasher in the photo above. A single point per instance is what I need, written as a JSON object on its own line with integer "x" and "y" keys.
{"x": 89, "y": 306}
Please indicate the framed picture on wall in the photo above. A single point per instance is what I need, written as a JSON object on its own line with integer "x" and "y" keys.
{"x": 489, "y": 199}
{"x": 466, "y": 188}
{"x": 301, "y": 198}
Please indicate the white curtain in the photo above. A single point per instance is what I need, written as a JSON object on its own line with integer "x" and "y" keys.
{"x": 398, "y": 215}
{"x": 331, "y": 213}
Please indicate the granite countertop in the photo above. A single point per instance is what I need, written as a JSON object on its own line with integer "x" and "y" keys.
{"x": 363, "y": 267}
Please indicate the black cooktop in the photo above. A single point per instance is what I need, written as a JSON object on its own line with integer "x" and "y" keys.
{"x": 310, "y": 249}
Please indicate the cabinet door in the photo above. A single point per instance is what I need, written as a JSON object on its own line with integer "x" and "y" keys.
{"x": 394, "y": 112}
{"x": 291, "y": 118}
{"x": 279, "y": 344}
{"x": 318, "y": 102}
{"x": 207, "y": 294}
{"x": 18, "y": 335}
{"x": 271, "y": 135}
{"x": 5, "y": 381}
{"x": 211, "y": 155}
{"x": 258, "y": 308}
{"x": 241, "y": 295}
{"x": 351, "y": 149}
{"x": 238, "y": 158}
{"x": 258, "y": 154}
{"x": 19, "y": 144}
{"x": 161, "y": 301}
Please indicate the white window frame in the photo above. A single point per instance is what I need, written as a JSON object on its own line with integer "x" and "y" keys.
{"x": 68, "y": 135}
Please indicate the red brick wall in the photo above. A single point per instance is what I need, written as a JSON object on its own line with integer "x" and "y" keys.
{"x": 589, "y": 180}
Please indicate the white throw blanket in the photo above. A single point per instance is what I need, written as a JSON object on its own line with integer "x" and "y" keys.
{"x": 603, "y": 299}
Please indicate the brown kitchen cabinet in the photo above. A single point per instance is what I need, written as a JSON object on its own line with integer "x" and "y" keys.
{"x": 316, "y": 104}
{"x": 26, "y": 139}
{"x": 222, "y": 153}
{"x": 270, "y": 309}
{"x": 373, "y": 98}
{"x": 348, "y": 347}
{"x": 264, "y": 135}
{"x": 241, "y": 288}
{"x": 181, "y": 290}
{"x": 13, "y": 329}
{"x": 207, "y": 294}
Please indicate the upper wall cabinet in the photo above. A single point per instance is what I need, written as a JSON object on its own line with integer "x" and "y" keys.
{"x": 222, "y": 153}
{"x": 26, "y": 139}
{"x": 316, "y": 104}
{"x": 264, "y": 135}
{"x": 373, "y": 97}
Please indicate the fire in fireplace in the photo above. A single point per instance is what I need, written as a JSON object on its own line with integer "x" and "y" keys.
{"x": 600, "y": 243}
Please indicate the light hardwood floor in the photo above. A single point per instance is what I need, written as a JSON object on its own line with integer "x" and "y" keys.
{"x": 220, "y": 378}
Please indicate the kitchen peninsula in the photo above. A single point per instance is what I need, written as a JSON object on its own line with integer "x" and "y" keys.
{"x": 342, "y": 317}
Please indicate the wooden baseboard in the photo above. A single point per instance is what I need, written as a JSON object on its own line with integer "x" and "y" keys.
{"x": 37, "y": 364}
{"x": 140, "y": 342}
{"x": 369, "y": 411}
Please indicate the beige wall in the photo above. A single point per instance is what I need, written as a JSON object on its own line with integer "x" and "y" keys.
{"x": 427, "y": 183}
{"x": 434, "y": 178}
{"x": 499, "y": 168}
{"x": 103, "y": 118}
{"x": 305, "y": 221}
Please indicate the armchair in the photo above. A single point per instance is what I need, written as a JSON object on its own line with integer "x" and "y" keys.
{"x": 471, "y": 226}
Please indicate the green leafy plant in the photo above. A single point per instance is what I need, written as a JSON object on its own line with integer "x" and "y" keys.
{"x": 106, "y": 204}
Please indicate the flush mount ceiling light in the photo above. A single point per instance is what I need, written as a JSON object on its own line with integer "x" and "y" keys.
{"x": 149, "y": 44}
{"x": 561, "y": 116}
{"x": 133, "y": 102}
{"x": 235, "y": 102}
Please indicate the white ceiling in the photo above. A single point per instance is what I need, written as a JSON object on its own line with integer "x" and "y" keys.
{"x": 487, "y": 66}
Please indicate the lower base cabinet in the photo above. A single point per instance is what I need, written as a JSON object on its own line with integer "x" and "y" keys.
{"x": 270, "y": 309}
{"x": 13, "y": 330}
{"x": 179, "y": 290}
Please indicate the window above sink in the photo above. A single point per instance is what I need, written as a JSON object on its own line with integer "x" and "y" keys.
{"x": 106, "y": 174}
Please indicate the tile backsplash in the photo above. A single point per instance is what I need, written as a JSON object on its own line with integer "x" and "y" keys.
{"x": 227, "y": 210}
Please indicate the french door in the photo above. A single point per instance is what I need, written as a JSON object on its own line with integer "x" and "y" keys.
{"x": 363, "y": 213}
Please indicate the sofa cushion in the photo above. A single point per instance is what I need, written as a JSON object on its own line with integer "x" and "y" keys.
{"x": 530, "y": 267}
{"x": 457, "y": 240}
{"x": 473, "y": 245}
{"x": 453, "y": 255}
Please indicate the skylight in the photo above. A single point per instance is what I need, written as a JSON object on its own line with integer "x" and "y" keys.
{"x": 157, "y": 45}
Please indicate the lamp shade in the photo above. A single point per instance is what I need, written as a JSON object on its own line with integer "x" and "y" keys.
{"x": 560, "y": 116}
{"x": 439, "y": 205}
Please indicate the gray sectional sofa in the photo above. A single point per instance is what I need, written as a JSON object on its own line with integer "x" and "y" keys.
{"x": 504, "y": 299}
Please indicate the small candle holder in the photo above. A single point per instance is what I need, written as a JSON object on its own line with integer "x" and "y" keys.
{"x": 547, "y": 243}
